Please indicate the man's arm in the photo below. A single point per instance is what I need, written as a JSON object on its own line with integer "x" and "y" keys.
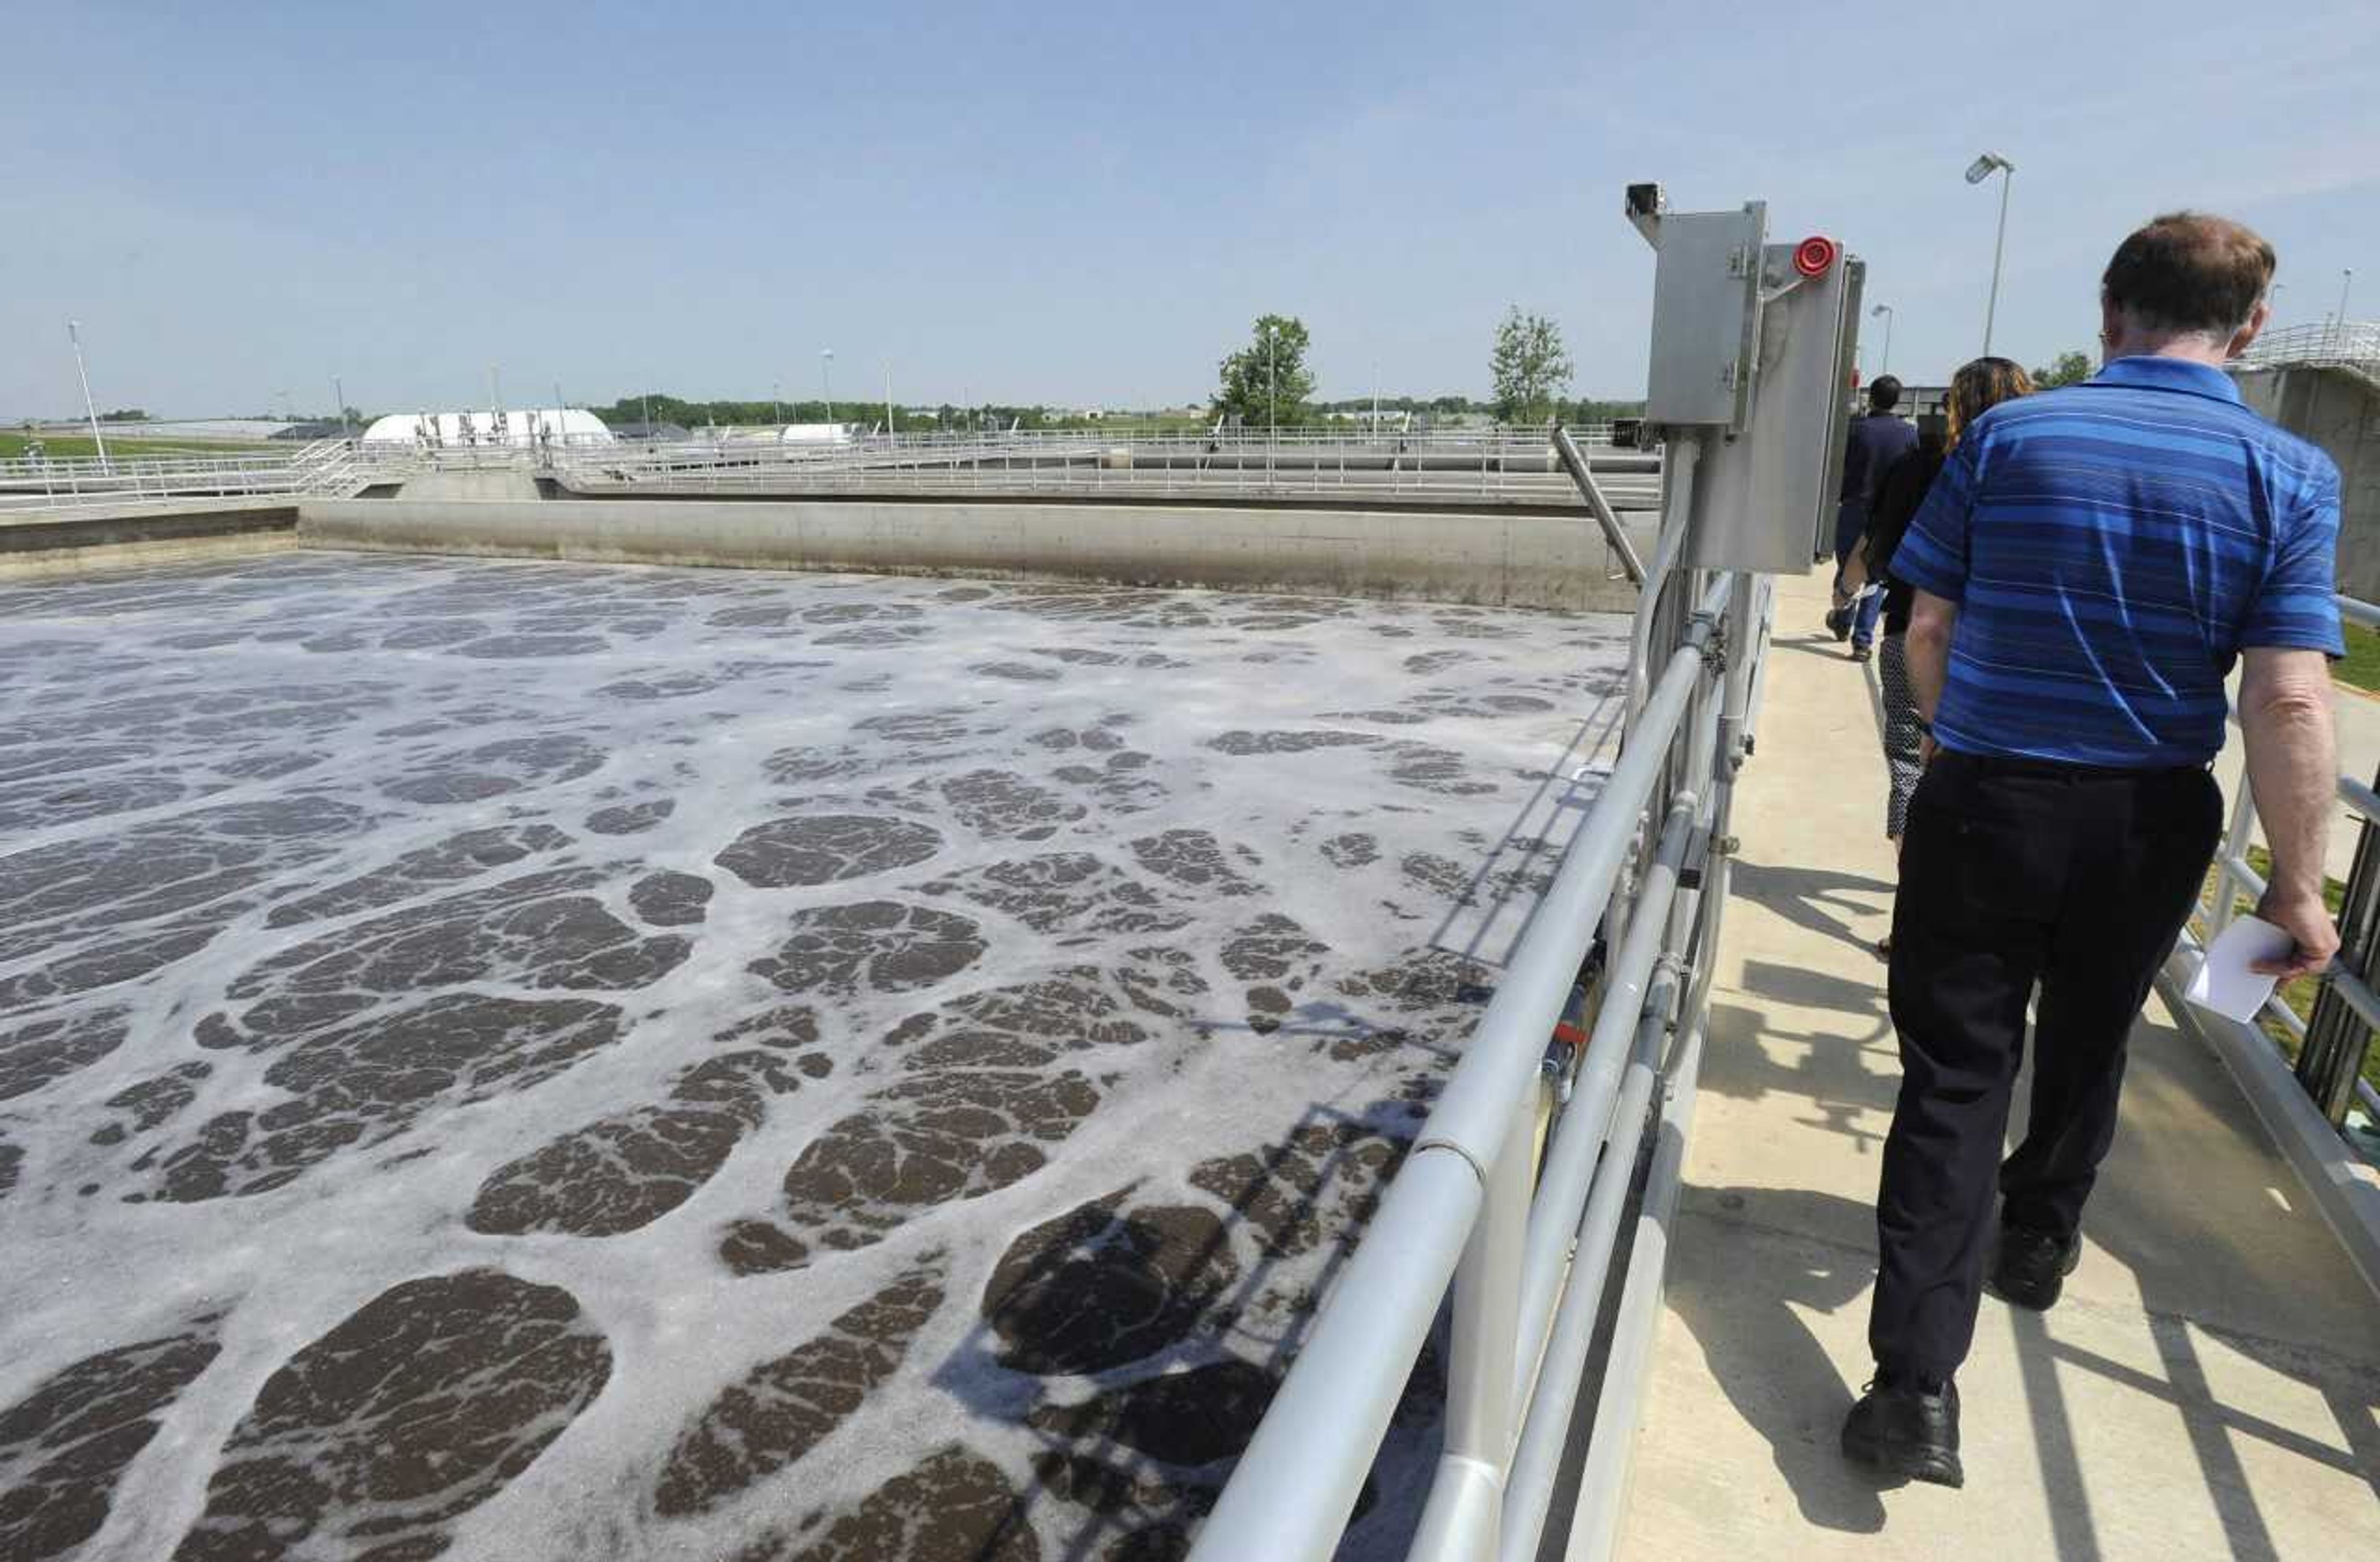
{"x": 1926, "y": 648}
{"x": 2293, "y": 771}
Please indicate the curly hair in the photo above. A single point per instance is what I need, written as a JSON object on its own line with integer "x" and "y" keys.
{"x": 1982, "y": 383}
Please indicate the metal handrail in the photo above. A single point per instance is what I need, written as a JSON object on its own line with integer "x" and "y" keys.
{"x": 331, "y": 468}
{"x": 1525, "y": 1243}
{"x": 2349, "y": 344}
{"x": 1505, "y": 465}
{"x": 2233, "y": 877}
{"x": 1521, "y": 465}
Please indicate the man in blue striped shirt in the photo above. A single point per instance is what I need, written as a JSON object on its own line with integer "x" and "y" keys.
{"x": 2089, "y": 567}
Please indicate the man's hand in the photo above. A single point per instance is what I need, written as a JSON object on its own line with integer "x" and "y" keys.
{"x": 2306, "y": 919}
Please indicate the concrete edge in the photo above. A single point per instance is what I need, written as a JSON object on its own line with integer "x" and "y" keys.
{"x": 1644, "y": 511}
{"x": 2347, "y": 1198}
{"x": 67, "y": 563}
{"x": 1488, "y": 560}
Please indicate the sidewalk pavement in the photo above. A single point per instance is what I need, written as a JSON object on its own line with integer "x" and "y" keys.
{"x": 2209, "y": 1387}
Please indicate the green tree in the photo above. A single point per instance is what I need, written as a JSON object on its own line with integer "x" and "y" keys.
{"x": 1267, "y": 382}
{"x": 2071, "y": 368}
{"x": 1529, "y": 366}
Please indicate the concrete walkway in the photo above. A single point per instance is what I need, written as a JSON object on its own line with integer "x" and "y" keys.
{"x": 2209, "y": 1387}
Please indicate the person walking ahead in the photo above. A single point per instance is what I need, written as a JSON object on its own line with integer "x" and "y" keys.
{"x": 1877, "y": 439}
{"x": 1979, "y": 385}
{"x": 2088, "y": 566}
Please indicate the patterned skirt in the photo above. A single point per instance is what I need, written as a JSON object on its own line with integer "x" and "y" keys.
{"x": 1901, "y": 737}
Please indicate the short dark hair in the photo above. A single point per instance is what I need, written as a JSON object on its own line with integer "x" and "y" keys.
{"x": 2187, "y": 270}
{"x": 1884, "y": 394}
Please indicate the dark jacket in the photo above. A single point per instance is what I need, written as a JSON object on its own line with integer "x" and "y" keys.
{"x": 1897, "y": 497}
{"x": 1877, "y": 439}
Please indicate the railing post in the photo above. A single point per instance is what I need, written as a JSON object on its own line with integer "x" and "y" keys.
{"x": 2330, "y": 1063}
{"x": 1466, "y": 1496}
{"x": 2235, "y": 844}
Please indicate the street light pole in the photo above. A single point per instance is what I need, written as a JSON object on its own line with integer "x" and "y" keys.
{"x": 1273, "y": 406}
{"x": 2345, "y": 281}
{"x": 74, "y": 335}
{"x": 826, "y": 379}
{"x": 1977, "y": 172}
{"x": 889, "y": 427}
{"x": 339, "y": 395}
{"x": 1884, "y": 367}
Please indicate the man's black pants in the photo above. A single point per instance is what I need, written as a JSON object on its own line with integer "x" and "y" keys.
{"x": 2015, "y": 871}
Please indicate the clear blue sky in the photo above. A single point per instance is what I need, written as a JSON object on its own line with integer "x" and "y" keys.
{"x": 1089, "y": 204}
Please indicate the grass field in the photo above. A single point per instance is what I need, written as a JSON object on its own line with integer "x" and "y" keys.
{"x": 68, "y": 447}
{"x": 2299, "y": 994}
{"x": 2361, "y": 665}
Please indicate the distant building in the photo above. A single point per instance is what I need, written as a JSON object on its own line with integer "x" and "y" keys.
{"x": 520, "y": 428}
{"x": 1921, "y": 401}
{"x": 667, "y": 433}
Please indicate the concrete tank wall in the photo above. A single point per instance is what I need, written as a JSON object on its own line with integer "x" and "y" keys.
{"x": 137, "y": 533}
{"x": 2340, "y": 411}
{"x": 470, "y": 483}
{"x": 1489, "y": 560}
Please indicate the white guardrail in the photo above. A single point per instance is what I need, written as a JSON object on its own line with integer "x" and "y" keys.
{"x": 1527, "y": 1230}
{"x": 1506, "y": 466}
{"x": 2235, "y": 879}
{"x": 2341, "y": 1179}
{"x": 1516, "y": 1191}
{"x": 328, "y": 468}
{"x": 2353, "y": 344}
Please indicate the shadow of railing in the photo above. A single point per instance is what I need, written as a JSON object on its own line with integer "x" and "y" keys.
{"x": 1117, "y": 1493}
{"x": 1565, "y": 788}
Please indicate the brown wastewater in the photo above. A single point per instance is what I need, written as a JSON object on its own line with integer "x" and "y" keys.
{"x": 529, "y": 1061}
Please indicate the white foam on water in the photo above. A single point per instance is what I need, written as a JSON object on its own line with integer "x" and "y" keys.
{"x": 201, "y": 771}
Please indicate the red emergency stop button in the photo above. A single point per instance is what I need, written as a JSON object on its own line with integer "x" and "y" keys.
{"x": 1815, "y": 255}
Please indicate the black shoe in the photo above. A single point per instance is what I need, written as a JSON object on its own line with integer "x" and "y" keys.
{"x": 1839, "y": 624}
{"x": 1862, "y": 653}
{"x": 2031, "y": 1267}
{"x": 1902, "y": 1429}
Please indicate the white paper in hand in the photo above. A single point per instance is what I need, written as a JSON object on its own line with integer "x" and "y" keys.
{"x": 2224, "y": 982}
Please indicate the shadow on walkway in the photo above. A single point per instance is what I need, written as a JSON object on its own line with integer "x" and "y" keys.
{"x": 1773, "y": 1370}
{"x": 1818, "y": 898}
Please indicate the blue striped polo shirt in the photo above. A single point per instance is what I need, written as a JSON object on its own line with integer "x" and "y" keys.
{"x": 2112, "y": 547}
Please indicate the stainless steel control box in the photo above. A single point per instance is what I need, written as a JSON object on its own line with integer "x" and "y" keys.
{"x": 1750, "y": 371}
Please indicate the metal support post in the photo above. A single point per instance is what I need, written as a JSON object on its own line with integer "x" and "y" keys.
{"x": 1614, "y": 536}
{"x": 1603, "y": 1481}
{"x": 1587, "y": 1119}
{"x": 1466, "y": 1496}
{"x": 2235, "y": 845}
{"x": 89, "y": 408}
{"x": 1679, "y": 462}
{"x": 1546, "y": 1436}
{"x": 2330, "y": 1064}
